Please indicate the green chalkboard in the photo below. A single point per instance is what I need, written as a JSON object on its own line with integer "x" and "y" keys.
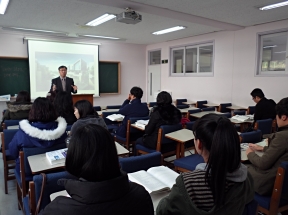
{"x": 14, "y": 75}
{"x": 109, "y": 77}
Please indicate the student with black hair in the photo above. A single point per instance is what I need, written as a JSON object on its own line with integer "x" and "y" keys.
{"x": 85, "y": 114}
{"x": 265, "y": 108}
{"x": 221, "y": 185}
{"x": 263, "y": 169}
{"x": 102, "y": 188}
{"x": 132, "y": 107}
{"x": 163, "y": 114}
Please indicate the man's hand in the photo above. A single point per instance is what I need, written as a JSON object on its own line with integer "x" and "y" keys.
{"x": 129, "y": 97}
{"x": 53, "y": 87}
{"x": 255, "y": 147}
{"x": 75, "y": 88}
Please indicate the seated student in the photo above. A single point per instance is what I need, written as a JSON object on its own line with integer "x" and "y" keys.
{"x": 265, "y": 108}
{"x": 20, "y": 108}
{"x": 102, "y": 188}
{"x": 221, "y": 185}
{"x": 163, "y": 114}
{"x": 85, "y": 114}
{"x": 43, "y": 129}
{"x": 132, "y": 107}
{"x": 64, "y": 106}
{"x": 263, "y": 169}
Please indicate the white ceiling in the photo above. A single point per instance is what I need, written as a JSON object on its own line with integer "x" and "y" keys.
{"x": 199, "y": 16}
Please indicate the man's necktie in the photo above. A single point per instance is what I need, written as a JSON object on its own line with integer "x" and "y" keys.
{"x": 63, "y": 84}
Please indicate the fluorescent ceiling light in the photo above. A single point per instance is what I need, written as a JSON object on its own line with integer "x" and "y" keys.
{"x": 280, "y": 52}
{"x": 111, "y": 38}
{"x": 266, "y": 47}
{"x": 104, "y": 18}
{"x": 168, "y": 30}
{"x": 3, "y": 6}
{"x": 29, "y": 29}
{"x": 272, "y": 6}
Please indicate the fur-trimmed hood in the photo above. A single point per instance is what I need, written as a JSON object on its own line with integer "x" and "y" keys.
{"x": 15, "y": 107}
{"x": 44, "y": 131}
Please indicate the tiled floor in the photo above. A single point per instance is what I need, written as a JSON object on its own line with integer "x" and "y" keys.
{"x": 8, "y": 202}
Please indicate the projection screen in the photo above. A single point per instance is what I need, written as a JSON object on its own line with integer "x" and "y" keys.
{"x": 81, "y": 60}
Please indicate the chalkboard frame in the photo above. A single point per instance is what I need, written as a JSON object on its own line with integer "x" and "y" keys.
{"x": 119, "y": 77}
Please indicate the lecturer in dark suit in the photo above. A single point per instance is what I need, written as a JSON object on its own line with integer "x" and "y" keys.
{"x": 63, "y": 83}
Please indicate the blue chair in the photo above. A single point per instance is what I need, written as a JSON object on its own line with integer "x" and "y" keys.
{"x": 10, "y": 122}
{"x": 50, "y": 186}
{"x": 251, "y": 110}
{"x": 265, "y": 125}
{"x": 113, "y": 107}
{"x": 228, "y": 115}
{"x": 144, "y": 103}
{"x": 164, "y": 145}
{"x": 152, "y": 104}
{"x": 223, "y": 107}
{"x": 188, "y": 163}
{"x": 110, "y": 124}
{"x": 189, "y": 125}
{"x": 25, "y": 174}
{"x": 191, "y": 112}
{"x": 239, "y": 112}
{"x": 180, "y": 101}
{"x": 97, "y": 108}
{"x": 200, "y": 104}
{"x": 251, "y": 137}
{"x": 251, "y": 208}
{"x": 143, "y": 162}
{"x": 131, "y": 133}
{"x": 8, "y": 160}
{"x": 278, "y": 201}
{"x": 182, "y": 106}
{"x": 68, "y": 128}
{"x": 208, "y": 109}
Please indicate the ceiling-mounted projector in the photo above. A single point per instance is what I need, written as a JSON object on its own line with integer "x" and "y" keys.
{"x": 129, "y": 17}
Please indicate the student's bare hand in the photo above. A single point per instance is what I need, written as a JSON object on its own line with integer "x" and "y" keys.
{"x": 129, "y": 97}
{"x": 255, "y": 147}
{"x": 249, "y": 150}
{"x": 53, "y": 87}
{"x": 75, "y": 88}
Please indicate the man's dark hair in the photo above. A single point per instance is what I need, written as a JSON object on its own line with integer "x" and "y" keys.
{"x": 282, "y": 107}
{"x": 92, "y": 154}
{"x": 85, "y": 108}
{"x": 62, "y": 67}
{"x": 42, "y": 110}
{"x": 137, "y": 92}
{"x": 257, "y": 92}
{"x": 23, "y": 96}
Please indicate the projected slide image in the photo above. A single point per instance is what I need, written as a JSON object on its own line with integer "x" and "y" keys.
{"x": 80, "y": 67}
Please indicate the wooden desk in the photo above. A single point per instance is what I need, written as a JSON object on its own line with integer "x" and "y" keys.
{"x": 263, "y": 143}
{"x": 203, "y": 113}
{"x": 242, "y": 124}
{"x": 108, "y": 110}
{"x": 210, "y": 105}
{"x": 181, "y": 136}
{"x": 185, "y": 110}
{"x": 39, "y": 163}
{"x": 234, "y": 107}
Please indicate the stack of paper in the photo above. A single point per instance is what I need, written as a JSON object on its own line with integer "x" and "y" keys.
{"x": 5, "y": 98}
{"x": 115, "y": 117}
{"x": 241, "y": 118}
{"x": 141, "y": 123}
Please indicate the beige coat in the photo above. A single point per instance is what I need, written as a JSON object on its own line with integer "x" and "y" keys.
{"x": 263, "y": 169}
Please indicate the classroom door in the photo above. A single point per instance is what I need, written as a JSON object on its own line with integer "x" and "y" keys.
{"x": 154, "y": 81}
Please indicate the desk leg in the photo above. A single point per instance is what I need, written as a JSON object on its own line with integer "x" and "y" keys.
{"x": 178, "y": 149}
{"x": 182, "y": 150}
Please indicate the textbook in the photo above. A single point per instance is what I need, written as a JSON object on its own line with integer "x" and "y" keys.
{"x": 241, "y": 118}
{"x": 141, "y": 123}
{"x": 115, "y": 117}
{"x": 156, "y": 179}
{"x": 57, "y": 156}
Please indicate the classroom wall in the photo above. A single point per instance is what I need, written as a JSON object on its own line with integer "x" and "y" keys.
{"x": 234, "y": 68}
{"x": 131, "y": 56}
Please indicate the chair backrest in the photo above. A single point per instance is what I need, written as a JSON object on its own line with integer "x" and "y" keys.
{"x": 8, "y": 135}
{"x": 182, "y": 106}
{"x": 191, "y": 112}
{"x": 165, "y": 129}
{"x": 108, "y": 121}
{"x": 251, "y": 110}
{"x": 144, "y": 103}
{"x": 180, "y": 101}
{"x": 152, "y": 104}
{"x": 199, "y": 104}
{"x": 97, "y": 108}
{"x": 265, "y": 125}
{"x": 284, "y": 194}
{"x": 228, "y": 115}
{"x": 251, "y": 137}
{"x": 68, "y": 128}
{"x": 143, "y": 162}
{"x": 113, "y": 106}
{"x": 189, "y": 125}
{"x": 208, "y": 109}
{"x": 10, "y": 122}
{"x": 223, "y": 107}
{"x": 51, "y": 186}
{"x": 239, "y": 112}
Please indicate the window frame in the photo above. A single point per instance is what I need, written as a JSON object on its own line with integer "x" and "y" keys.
{"x": 259, "y": 55}
{"x": 184, "y": 48}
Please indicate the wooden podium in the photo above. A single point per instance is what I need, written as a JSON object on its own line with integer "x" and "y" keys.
{"x": 77, "y": 97}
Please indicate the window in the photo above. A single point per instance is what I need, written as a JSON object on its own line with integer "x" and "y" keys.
{"x": 154, "y": 57}
{"x": 196, "y": 60}
{"x": 273, "y": 57}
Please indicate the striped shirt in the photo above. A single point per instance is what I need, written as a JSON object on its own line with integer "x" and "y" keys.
{"x": 199, "y": 192}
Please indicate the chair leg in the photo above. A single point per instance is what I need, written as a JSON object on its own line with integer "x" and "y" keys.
{"x": 6, "y": 179}
{"x": 19, "y": 197}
